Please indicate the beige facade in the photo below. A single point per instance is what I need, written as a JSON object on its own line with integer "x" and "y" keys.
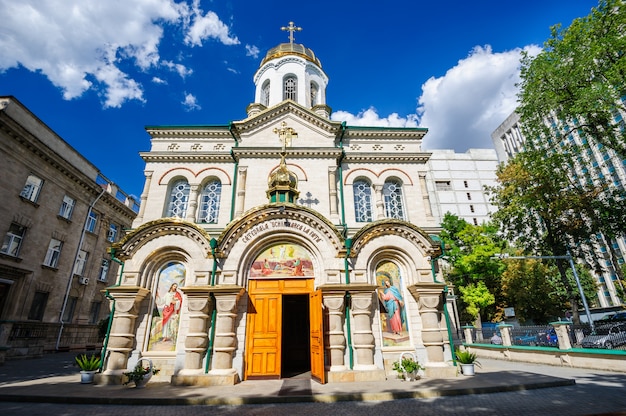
{"x": 52, "y": 271}
{"x": 242, "y": 225}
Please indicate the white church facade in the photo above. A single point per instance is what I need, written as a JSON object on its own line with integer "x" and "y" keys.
{"x": 281, "y": 244}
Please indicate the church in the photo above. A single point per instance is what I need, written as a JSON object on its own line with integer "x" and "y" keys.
{"x": 281, "y": 244}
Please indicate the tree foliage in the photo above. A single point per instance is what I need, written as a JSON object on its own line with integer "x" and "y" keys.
{"x": 470, "y": 251}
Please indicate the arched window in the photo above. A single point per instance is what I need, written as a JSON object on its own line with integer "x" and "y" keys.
{"x": 392, "y": 195}
{"x": 314, "y": 92}
{"x": 265, "y": 93}
{"x": 291, "y": 92}
{"x": 179, "y": 199}
{"x": 210, "y": 202}
{"x": 362, "y": 200}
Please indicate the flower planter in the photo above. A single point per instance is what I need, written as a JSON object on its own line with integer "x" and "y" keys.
{"x": 467, "y": 369}
{"x": 141, "y": 373}
{"x": 86, "y": 377}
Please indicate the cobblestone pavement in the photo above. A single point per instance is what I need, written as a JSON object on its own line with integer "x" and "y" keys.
{"x": 594, "y": 393}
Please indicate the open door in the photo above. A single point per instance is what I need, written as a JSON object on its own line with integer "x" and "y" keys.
{"x": 318, "y": 372}
{"x": 264, "y": 336}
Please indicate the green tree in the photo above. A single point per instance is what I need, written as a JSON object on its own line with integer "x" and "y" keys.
{"x": 577, "y": 84}
{"x": 469, "y": 251}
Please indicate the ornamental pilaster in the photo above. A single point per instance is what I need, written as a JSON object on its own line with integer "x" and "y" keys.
{"x": 125, "y": 310}
{"x": 199, "y": 305}
{"x": 429, "y": 298}
{"x": 225, "y": 342}
{"x": 363, "y": 337}
{"x": 334, "y": 302}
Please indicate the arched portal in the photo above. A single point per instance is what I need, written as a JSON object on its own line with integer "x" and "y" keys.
{"x": 284, "y": 328}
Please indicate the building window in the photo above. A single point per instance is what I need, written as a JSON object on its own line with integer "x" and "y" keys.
{"x": 179, "y": 198}
{"x": 53, "y": 253}
{"x": 94, "y": 312}
{"x": 13, "y": 240}
{"x": 81, "y": 261}
{"x": 475, "y": 221}
{"x": 469, "y": 196}
{"x": 314, "y": 92}
{"x": 32, "y": 188}
{"x": 443, "y": 186}
{"x": 68, "y": 314}
{"x": 471, "y": 208}
{"x": 104, "y": 270}
{"x": 37, "y": 308}
{"x": 67, "y": 207}
{"x": 265, "y": 93}
{"x": 362, "y": 201}
{"x": 465, "y": 184}
{"x": 92, "y": 221}
{"x": 112, "y": 234}
{"x": 392, "y": 195}
{"x": 210, "y": 202}
{"x": 291, "y": 92}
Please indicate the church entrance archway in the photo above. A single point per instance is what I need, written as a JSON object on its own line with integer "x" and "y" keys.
{"x": 284, "y": 330}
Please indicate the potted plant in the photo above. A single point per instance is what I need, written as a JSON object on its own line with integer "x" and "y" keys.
{"x": 407, "y": 367}
{"x": 467, "y": 361}
{"x": 88, "y": 366}
{"x": 142, "y": 373}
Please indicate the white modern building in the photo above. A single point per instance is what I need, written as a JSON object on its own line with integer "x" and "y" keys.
{"x": 457, "y": 183}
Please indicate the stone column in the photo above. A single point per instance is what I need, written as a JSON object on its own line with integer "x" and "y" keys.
{"x": 192, "y": 207}
{"x": 425, "y": 197}
{"x": 380, "y": 204}
{"x": 335, "y": 306}
{"x": 562, "y": 333}
{"x": 241, "y": 190}
{"x": 144, "y": 197}
{"x": 467, "y": 333}
{"x": 332, "y": 186}
{"x": 505, "y": 332}
{"x": 363, "y": 338}
{"x": 127, "y": 301}
{"x": 429, "y": 298}
{"x": 225, "y": 343}
{"x": 200, "y": 305}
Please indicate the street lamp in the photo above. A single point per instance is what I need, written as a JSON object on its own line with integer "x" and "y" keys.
{"x": 568, "y": 257}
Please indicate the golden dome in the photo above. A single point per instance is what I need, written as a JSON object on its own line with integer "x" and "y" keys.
{"x": 291, "y": 49}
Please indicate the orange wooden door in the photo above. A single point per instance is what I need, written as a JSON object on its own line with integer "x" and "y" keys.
{"x": 317, "y": 337}
{"x": 264, "y": 336}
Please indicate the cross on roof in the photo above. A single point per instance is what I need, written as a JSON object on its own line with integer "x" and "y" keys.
{"x": 285, "y": 134}
{"x": 291, "y": 28}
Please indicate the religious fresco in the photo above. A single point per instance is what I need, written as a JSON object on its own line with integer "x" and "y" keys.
{"x": 281, "y": 261}
{"x": 392, "y": 306}
{"x": 168, "y": 303}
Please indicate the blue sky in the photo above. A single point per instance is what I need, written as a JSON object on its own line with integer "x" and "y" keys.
{"x": 97, "y": 72}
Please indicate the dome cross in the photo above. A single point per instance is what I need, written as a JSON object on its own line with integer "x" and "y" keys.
{"x": 291, "y": 28}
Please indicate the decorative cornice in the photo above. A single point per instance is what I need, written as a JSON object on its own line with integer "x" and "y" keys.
{"x": 292, "y": 152}
{"x": 281, "y": 212}
{"x": 189, "y": 132}
{"x": 200, "y": 156}
{"x": 404, "y": 229}
{"x": 397, "y": 157}
{"x": 138, "y": 237}
{"x": 287, "y": 106}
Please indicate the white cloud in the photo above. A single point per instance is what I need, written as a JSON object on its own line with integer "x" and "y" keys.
{"x": 207, "y": 26}
{"x": 252, "y": 51}
{"x": 83, "y": 44}
{"x": 462, "y": 108}
{"x": 190, "y": 102}
{"x": 371, "y": 118}
{"x": 158, "y": 80}
{"x": 181, "y": 69}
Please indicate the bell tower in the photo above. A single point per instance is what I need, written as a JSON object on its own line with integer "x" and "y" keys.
{"x": 290, "y": 71}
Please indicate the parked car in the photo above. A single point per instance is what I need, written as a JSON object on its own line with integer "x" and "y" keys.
{"x": 548, "y": 338}
{"x": 527, "y": 339}
{"x": 606, "y": 336}
{"x": 618, "y": 317}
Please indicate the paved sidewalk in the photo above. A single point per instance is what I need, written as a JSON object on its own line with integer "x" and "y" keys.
{"x": 55, "y": 379}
